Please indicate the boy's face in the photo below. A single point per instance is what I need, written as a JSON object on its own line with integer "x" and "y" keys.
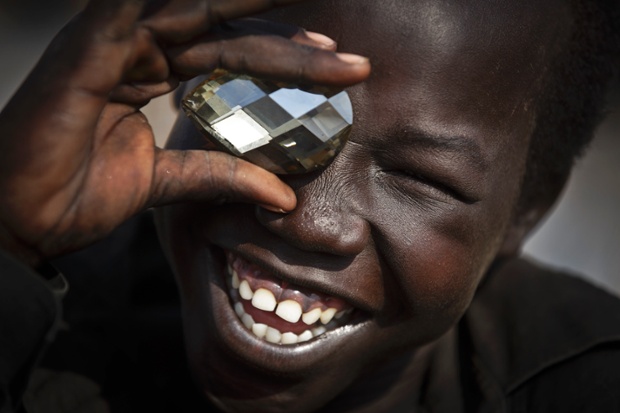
{"x": 402, "y": 225}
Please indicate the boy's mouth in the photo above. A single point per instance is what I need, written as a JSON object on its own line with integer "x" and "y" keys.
{"x": 278, "y": 312}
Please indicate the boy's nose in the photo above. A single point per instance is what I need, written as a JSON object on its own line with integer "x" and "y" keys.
{"x": 322, "y": 222}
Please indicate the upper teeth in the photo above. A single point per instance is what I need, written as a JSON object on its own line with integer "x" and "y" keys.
{"x": 327, "y": 315}
{"x": 235, "y": 278}
{"x": 312, "y": 316}
{"x": 245, "y": 291}
{"x": 288, "y": 310}
{"x": 264, "y": 300}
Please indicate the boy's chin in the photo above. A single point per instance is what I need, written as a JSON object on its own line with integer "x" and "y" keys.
{"x": 241, "y": 372}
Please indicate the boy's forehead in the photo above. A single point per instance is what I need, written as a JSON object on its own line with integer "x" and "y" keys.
{"x": 422, "y": 33}
{"x": 447, "y": 21}
{"x": 446, "y": 58}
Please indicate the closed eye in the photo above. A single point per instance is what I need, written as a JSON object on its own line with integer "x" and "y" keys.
{"x": 411, "y": 178}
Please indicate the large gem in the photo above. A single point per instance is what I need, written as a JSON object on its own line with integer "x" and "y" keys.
{"x": 276, "y": 126}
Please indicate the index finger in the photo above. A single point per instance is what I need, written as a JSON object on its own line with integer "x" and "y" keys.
{"x": 176, "y": 21}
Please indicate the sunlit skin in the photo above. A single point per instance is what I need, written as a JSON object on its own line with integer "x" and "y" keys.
{"x": 75, "y": 139}
{"x": 403, "y": 224}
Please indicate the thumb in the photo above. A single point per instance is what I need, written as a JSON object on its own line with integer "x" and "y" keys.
{"x": 197, "y": 175}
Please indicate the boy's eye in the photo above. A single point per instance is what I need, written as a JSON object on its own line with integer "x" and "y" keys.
{"x": 412, "y": 181}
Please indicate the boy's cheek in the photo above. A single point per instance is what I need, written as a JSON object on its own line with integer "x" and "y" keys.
{"x": 437, "y": 262}
{"x": 440, "y": 285}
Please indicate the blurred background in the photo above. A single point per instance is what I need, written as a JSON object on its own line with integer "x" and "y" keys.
{"x": 581, "y": 235}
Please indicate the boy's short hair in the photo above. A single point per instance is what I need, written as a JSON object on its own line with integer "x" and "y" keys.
{"x": 572, "y": 101}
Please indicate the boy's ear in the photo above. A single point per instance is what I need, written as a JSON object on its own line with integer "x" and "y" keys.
{"x": 518, "y": 231}
{"x": 524, "y": 221}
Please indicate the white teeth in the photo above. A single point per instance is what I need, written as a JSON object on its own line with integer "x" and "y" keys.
{"x": 289, "y": 310}
{"x": 264, "y": 300}
{"x": 289, "y": 338}
{"x": 245, "y": 291}
{"x": 305, "y": 336}
{"x": 327, "y": 315}
{"x": 259, "y": 330}
{"x": 235, "y": 279}
{"x": 239, "y": 310}
{"x": 318, "y": 331}
{"x": 247, "y": 321}
{"x": 273, "y": 335}
{"x": 311, "y": 317}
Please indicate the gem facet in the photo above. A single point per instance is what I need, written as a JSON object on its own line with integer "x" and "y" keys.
{"x": 276, "y": 126}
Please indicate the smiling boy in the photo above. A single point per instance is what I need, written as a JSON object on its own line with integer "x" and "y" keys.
{"x": 464, "y": 134}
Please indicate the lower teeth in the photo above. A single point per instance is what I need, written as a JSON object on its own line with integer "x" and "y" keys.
{"x": 273, "y": 335}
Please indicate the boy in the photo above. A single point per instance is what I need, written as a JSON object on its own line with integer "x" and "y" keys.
{"x": 454, "y": 157}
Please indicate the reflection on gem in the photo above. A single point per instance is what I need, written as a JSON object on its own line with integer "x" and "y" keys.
{"x": 278, "y": 127}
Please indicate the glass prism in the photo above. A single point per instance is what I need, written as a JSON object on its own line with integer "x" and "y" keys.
{"x": 277, "y": 126}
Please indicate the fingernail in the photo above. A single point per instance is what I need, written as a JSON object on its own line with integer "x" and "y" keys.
{"x": 352, "y": 59}
{"x": 321, "y": 39}
{"x": 273, "y": 209}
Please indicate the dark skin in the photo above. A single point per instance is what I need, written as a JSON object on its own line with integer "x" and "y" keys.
{"x": 402, "y": 225}
{"x": 77, "y": 141}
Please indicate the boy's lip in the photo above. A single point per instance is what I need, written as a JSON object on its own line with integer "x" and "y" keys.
{"x": 287, "y": 360}
{"x": 309, "y": 278}
{"x": 357, "y": 278}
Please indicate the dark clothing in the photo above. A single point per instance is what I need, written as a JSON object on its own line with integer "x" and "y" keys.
{"x": 533, "y": 340}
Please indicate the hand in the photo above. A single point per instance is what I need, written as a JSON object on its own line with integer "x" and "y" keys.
{"x": 77, "y": 156}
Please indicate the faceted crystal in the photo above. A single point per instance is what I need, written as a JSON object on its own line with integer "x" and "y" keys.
{"x": 276, "y": 126}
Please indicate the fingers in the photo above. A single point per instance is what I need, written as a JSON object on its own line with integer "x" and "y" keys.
{"x": 178, "y": 21}
{"x": 148, "y": 61}
{"x": 313, "y": 39}
{"x": 52, "y": 117}
{"x": 250, "y": 26}
{"x": 139, "y": 94}
{"x": 197, "y": 175}
{"x": 67, "y": 89}
{"x": 270, "y": 57}
{"x": 96, "y": 48}
{"x": 234, "y": 9}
